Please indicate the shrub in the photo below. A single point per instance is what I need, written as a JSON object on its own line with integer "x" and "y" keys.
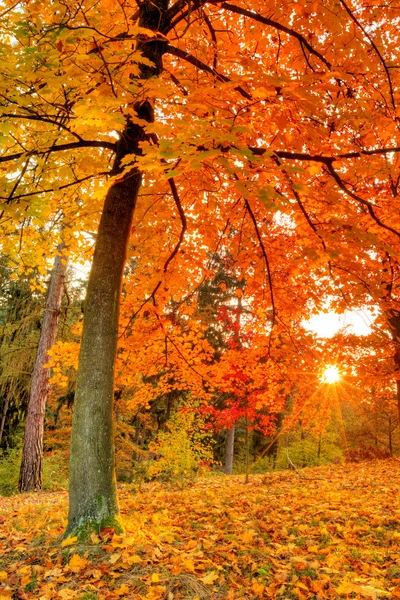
{"x": 55, "y": 471}
{"x": 365, "y": 453}
{"x": 183, "y": 450}
{"x": 10, "y": 461}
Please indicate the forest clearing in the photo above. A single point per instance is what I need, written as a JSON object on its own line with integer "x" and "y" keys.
{"x": 326, "y": 532}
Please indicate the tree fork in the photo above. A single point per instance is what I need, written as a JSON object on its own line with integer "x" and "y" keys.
{"x": 93, "y": 493}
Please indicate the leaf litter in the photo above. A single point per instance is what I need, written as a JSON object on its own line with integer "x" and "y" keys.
{"x": 315, "y": 534}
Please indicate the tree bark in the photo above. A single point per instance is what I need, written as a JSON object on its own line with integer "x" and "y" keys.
{"x": 4, "y": 415}
{"x": 92, "y": 494}
{"x": 230, "y": 440}
{"x": 30, "y": 476}
{"x": 393, "y": 318}
{"x": 229, "y": 449}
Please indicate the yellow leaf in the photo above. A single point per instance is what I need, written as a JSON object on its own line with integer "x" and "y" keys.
{"x": 312, "y": 549}
{"x": 77, "y": 563}
{"x": 301, "y": 586}
{"x": 122, "y": 591}
{"x": 189, "y": 565}
{"x": 67, "y": 593}
{"x": 69, "y": 541}
{"x": 95, "y": 538}
{"x": 3, "y": 575}
{"x": 134, "y": 559}
{"x": 155, "y": 578}
{"x": 258, "y": 588}
{"x": 114, "y": 557}
{"x": 247, "y": 536}
{"x": 210, "y": 578}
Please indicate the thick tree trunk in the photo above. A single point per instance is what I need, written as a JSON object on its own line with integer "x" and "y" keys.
{"x": 229, "y": 449}
{"x": 92, "y": 494}
{"x": 30, "y": 477}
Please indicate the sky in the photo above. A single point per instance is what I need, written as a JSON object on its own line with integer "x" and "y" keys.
{"x": 327, "y": 324}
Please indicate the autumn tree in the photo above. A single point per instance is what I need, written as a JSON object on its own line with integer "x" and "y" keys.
{"x": 277, "y": 119}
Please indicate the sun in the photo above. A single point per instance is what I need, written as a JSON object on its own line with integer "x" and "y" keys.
{"x": 331, "y": 374}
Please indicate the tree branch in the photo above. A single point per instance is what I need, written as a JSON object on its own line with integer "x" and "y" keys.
{"x": 43, "y": 119}
{"x": 366, "y": 203}
{"x": 182, "y": 217}
{"x": 301, "y": 206}
{"x": 375, "y": 47}
{"x": 59, "y": 148}
{"x": 203, "y": 67}
{"x": 256, "y": 17}
{"x": 249, "y": 210}
{"x": 61, "y": 187}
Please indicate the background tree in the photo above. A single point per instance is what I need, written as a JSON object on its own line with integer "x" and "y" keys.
{"x": 32, "y": 452}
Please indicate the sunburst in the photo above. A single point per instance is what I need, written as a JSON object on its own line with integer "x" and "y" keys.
{"x": 331, "y": 374}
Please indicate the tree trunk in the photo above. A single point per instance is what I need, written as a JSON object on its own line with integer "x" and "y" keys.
{"x": 393, "y": 318}
{"x": 30, "y": 476}
{"x": 247, "y": 448}
{"x": 92, "y": 493}
{"x": 398, "y": 391}
{"x": 229, "y": 449}
{"x": 4, "y": 415}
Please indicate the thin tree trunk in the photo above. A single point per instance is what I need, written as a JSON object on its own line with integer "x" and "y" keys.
{"x": 229, "y": 449}
{"x": 247, "y": 457}
{"x": 398, "y": 393}
{"x": 230, "y": 440}
{"x": 4, "y": 416}
{"x": 30, "y": 476}
{"x": 92, "y": 494}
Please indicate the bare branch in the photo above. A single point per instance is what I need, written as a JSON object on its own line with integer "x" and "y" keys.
{"x": 182, "y": 217}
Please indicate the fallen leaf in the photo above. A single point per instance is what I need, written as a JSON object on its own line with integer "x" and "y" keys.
{"x": 210, "y": 578}
{"x": 69, "y": 541}
{"x": 77, "y": 563}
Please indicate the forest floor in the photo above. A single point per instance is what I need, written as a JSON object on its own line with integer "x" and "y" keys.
{"x": 327, "y": 532}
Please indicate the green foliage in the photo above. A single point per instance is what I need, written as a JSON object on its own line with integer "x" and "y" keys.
{"x": 9, "y": 471}
{"x": 55, "y": 471}
{"x": 309, "y": 451}
{"x": 183, "y": 449}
